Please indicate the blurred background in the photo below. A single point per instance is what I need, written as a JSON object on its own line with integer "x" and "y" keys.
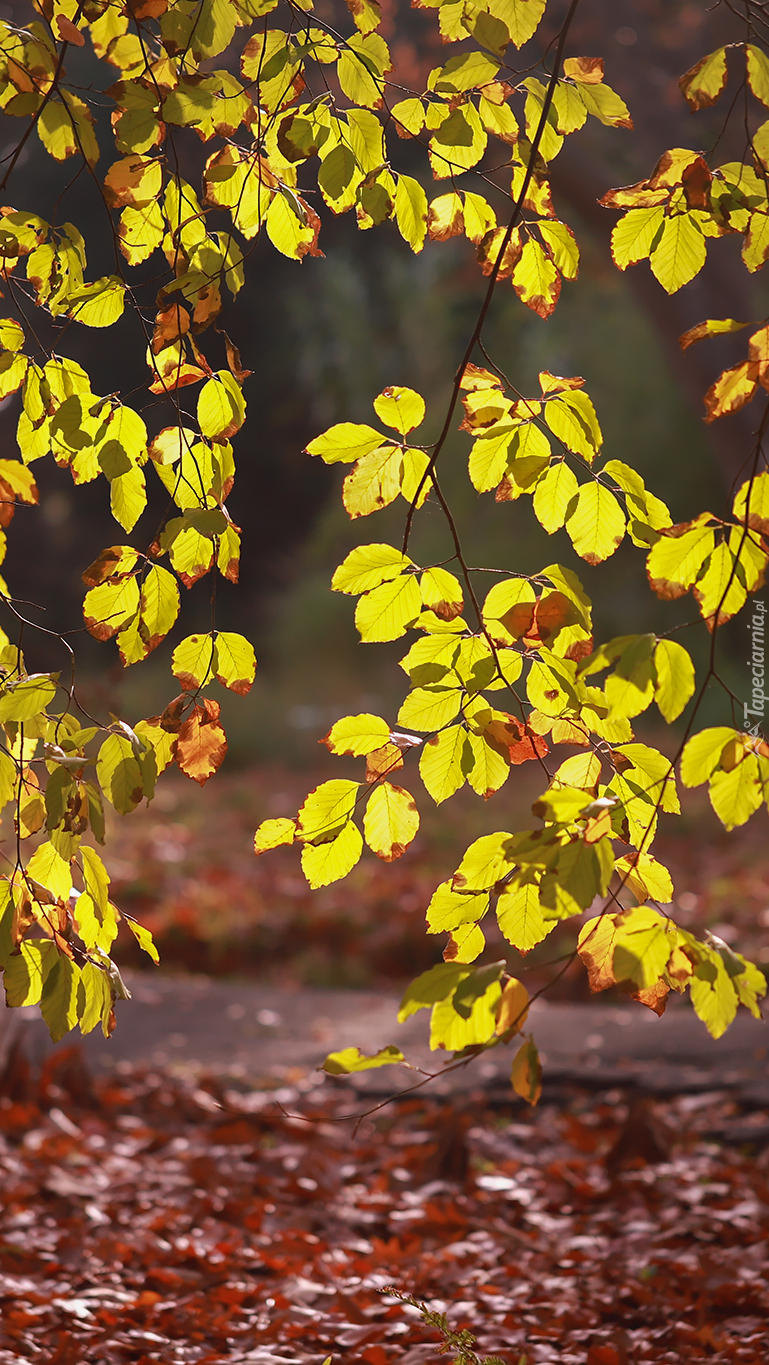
{"x": 323, "y": 338}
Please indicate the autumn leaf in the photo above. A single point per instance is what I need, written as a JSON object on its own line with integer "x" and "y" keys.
{"x": 201, "y": 743}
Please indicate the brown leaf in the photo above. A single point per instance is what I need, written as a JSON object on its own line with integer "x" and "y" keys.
{"x": 233, "y": 360}
{"x": 596, "y": 948}
{"x": 171, "y": 323}
{"x": 696, "y": 181}
{"x": 68, "y": 32}
{"x": 201, "y": 743}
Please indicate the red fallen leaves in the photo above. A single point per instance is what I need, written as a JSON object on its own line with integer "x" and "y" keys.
{"x": 148, "y": 1218}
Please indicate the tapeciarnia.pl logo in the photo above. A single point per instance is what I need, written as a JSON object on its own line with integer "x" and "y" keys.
{"x": 758, "y": 698}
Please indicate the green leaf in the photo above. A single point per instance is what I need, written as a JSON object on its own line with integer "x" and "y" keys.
{"x": 119, "y": 774}
{"x": 713, "y": 993}
{"x": 439, "y": 983}
{"x": 352, "y": 1059}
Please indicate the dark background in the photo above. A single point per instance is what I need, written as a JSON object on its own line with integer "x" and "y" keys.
{"x": 325, "y": 336}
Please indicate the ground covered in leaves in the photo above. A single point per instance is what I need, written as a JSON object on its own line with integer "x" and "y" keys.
{"x": 147, "y": 1217}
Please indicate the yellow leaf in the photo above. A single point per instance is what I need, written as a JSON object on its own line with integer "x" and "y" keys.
{"x": 274, "y": 833}
{"x": 391, "y": 821}
{"x": 702, "y": 84}
{"x": 737, "y": 794}
{"x": 519, "y": 915}
{"x": 430, "y": 708}
{"x": 676, "y": 560}
{"x": 635, "y": 234}
{"x": 98, "y": 304}
{"x": 400, "y": 408}
{"x": 326, "y": 809}
{"x": 368, "y": 566}
{"x": 536, "y": 280}
{"x": 444, "y": 761}
{"x": 596, "y": 523}
{"x": 357, "y": 735}
{"x": 352, "y": 1059}
{"x": 411, "y": 207}
{"x": 675, "y": 678}
{"x": 702, "y": 754}
{"x": 520, "y": 17}
{"x": 513, "y": 1007}
{"x": 732, "y": 390}
{"x": 346, "y": 441}
{"x": 386, "y": 612}
{"x": 374, "y": 481}
{"x": 758, "y": 72}
{"x": 553, "y": 495}
{"x": 328, "y": 862}
{"x": 454, "y": 1031}
{"x": 720, "y": 591}
{"x": 680, "y": 253}
{"x": 526, "y": 1073}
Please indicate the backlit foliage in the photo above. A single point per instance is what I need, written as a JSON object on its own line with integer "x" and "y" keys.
{"x": 498, "y": 675}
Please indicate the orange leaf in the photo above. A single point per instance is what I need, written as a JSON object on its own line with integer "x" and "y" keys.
{"x": 587, "y": 70}
{"x": 382, "y": 762}
{"x": 171, "y": 323}
{"x": 654, "y": 997}
{"x": 201, "y": 744}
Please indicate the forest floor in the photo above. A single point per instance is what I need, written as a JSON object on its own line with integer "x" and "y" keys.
{"x": 151, "y": 1218}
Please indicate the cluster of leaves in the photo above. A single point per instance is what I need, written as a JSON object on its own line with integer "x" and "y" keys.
{"x": 159, "y": 1214}
{"x": 530, "y": 638}
{"x": 314, "y": 115}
